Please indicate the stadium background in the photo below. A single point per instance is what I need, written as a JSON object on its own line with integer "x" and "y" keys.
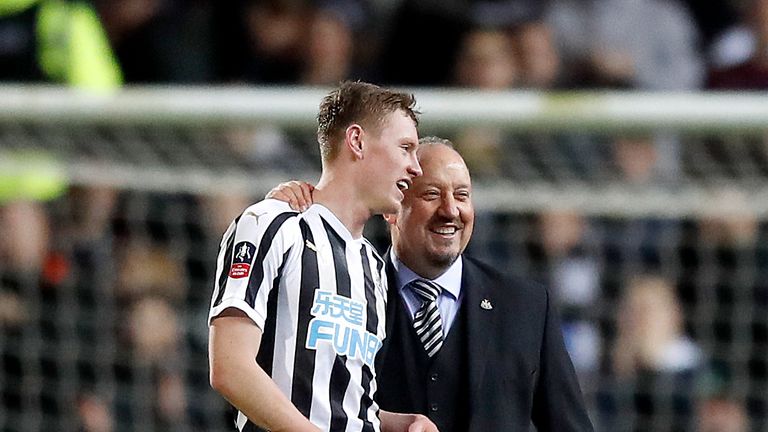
{"x": 619, "y": 151}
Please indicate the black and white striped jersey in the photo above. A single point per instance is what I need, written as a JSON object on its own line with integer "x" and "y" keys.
{"x": 319, "y": 297}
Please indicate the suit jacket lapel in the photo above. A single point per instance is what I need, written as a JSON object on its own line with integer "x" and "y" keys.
{"x": 478, "y": 297}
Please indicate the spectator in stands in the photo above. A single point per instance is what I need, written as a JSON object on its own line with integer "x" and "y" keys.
{"x": 728, "y": 244}
{"x": 148, "y": 364}
{"x": 751, "y": 74}
{"x": 154, "y": 328}
{"x": 333, "y": 43}
{"x": 724, "y": 41}
{"x": 538, "y": 55}
{"x": 569, "y": 264}
{"x": 644, "y": 160}
{"x": 71, "y": 48}
{"x": 12, "y": 310}
{"x": 26, "y": 236}
{"x": 650, "y": 330}
{"x": 721, "y": 414}
{"x": 144, "y": 270}
{"x": 153, "y": 336}
{"x": 94, "y": 413}
{"x": 638, "y": 243}
{"x": 654, "y": 364}
{"x": 27, "y": 374}
{"x": 636, "y": 159}
{"x": 425, "y": 37}
{"x": 723, "y": 264}
{"x": 24, "y": 245}
{"x": 160, "y": 41}
{"x": 293, "y": 42}
{"x": 645, "y": 44}
{"x": 329, "y": 50}
{"x": 262, "y": 41}
{"x": 732, "y": 221}
{"x": 486, "y": 61}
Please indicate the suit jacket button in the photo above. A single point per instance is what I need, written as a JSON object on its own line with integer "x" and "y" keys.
{"x": 433, "y": 407}
{"x": 433, "y": 377}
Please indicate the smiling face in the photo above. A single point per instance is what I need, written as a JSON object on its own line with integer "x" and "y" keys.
{"x": 437, "y": 216}
{"x": 390, "y": 162}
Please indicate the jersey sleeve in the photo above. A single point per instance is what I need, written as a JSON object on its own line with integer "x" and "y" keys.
{"x": 251, "y": 255}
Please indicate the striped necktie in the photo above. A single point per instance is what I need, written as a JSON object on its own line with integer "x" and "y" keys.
{"x": 426, "y": 320}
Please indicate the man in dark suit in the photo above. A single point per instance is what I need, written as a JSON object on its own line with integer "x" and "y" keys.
{"x": 471, "y": 348}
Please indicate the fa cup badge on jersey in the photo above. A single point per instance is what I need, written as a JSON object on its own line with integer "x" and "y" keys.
{"x": 486, "y": 304}
{"x": 241, "y": 264}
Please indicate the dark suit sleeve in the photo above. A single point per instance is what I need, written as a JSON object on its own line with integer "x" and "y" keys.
{"x": 558, "y": 405}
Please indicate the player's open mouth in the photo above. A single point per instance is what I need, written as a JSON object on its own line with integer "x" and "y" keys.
{"x": 403, "y": 185}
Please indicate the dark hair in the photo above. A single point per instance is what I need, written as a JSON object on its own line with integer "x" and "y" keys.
{"x": 357, "y": 102}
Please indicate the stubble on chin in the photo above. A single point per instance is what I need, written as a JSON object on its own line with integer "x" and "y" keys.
{"x": 442, "y": 259}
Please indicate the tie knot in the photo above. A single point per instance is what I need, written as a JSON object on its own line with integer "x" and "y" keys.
{"x": 426, "y": 290}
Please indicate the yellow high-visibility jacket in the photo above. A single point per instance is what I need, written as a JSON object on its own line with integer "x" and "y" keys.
{"x": 68, "y": 43}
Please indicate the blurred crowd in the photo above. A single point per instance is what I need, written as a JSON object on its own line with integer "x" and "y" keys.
{"x": 104, "y": 291}
{"x": 494, "y": 44}
{"x": 104, "y": 295}
{"x": 103, "y": 304}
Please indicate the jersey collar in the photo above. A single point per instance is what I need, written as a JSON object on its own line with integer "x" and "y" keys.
{"x": 334, "y": 222}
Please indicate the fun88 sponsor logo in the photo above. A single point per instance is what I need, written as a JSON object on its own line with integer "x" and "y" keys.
{"x": 338, "y": 321}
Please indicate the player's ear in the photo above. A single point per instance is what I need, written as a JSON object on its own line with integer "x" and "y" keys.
{"x": 353, "y": 139}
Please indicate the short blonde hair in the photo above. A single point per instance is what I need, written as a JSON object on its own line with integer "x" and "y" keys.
{"x": 357, "y": 102}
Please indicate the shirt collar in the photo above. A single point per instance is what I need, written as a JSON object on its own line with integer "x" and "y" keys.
{"x": 450, "y": 280}
{"x": 327, "y": 215}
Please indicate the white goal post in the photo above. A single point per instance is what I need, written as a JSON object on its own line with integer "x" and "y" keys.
{"x": 442, "y": 110}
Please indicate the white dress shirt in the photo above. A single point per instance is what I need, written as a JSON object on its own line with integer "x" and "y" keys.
{"x": 450, "y": 298}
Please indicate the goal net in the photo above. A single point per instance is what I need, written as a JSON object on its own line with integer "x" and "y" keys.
{"x": 644, "y": 214}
